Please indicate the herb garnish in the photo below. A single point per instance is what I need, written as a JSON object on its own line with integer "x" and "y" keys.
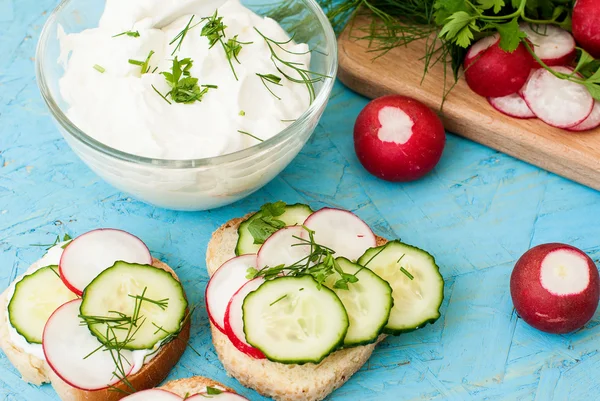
{"x": 184, "y": 87}
{"x": 266, "y": 222}
{"x": 213, "y": 391}
{"x": 144, "y": 65}
{"x": 99, "y": 68}
{"x": 250, "y": 135}
{"x": 277, "y": 300}
{"x": 132, "y": 34}
{"x": 181, "y": 35}
{"x": 307, "y": 77}
{"x": 214, "y": 31}
{"x": 320, "y": 263}
{"x": 274, "y": 79}
{"x": 66, "y": 238}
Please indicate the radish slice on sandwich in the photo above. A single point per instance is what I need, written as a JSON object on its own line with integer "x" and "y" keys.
{"x": 341, "y": 231}
{"x": 234, "y": 319}
{"x": 154, "y": 394}
{"x": 226, "y": 281}
{"x": 90, "y": 254}
{"x": 224, "y": 396}
{"x": 69, "y": 349}
{"x": 558, "y": 102}
{"x": 285, "y": 247}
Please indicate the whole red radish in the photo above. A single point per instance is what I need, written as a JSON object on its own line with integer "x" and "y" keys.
{"x": 555, "y": 288}
{"x": 398, "y": 138}
{"x": 586, "y": 25}
{"x": 493, "y": 72}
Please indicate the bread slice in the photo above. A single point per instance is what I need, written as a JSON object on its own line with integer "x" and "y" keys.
{"x": 193, "y": 385}
{"x": 37, "y": 371}
{"x": 281, "y": 382}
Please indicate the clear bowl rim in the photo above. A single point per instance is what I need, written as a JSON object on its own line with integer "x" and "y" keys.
{"x": 291, "y": 130}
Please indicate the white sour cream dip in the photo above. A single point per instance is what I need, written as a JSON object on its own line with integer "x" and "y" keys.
{"x": 111, "y": 100}
{"x": 52, "y": 257}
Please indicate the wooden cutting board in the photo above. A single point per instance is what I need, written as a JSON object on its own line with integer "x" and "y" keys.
{"x": 400, "y": 71}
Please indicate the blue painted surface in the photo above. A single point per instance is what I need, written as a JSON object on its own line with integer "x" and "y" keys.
{"x": 477, "y": 213}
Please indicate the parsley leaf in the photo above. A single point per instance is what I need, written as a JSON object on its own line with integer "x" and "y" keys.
{"x": 266, "y": 223}
{"x": 497, "y": 5}
{"x": 459, "y": 28}
{"x": 184, "y": 87}
{"x": 445, "y": 9}
{"x": 510, "y": 35}
{"x": 214, "y": 30}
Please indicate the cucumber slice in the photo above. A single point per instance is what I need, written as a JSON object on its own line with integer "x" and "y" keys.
{"x": 293, "y": 215}
{"x": 35, "y": 298}
{"x": 417, "y": 301}
{"x": 137, "y": 304}
{"x": 368, "y": 303}
{"x": 292, "y": 321}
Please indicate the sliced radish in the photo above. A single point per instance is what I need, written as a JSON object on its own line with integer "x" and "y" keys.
{"x": 224, "y": 396}
{"x": 285, "y": 247}
{"x": 512, "y": 105}
{"x": 553, "y": 45}
{"x": 90, "y": 254}
{"x": 234, "y": 322}
{"x": 557, "y": 102}
{"x": 69, "y": 349}
{"x": 342, "y": 231}
{"x": 593, "y": 120}
{"x": 226, "y": 281}
{"x": 155, "y": 394}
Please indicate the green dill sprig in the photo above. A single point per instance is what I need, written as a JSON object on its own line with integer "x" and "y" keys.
{"x": 66, "y": 238}
{"x": 144, "y": 65}
{"x": 306, "y": 77}
{"x": 319, "y": 263}
{"x": 270, "y": 78}
{"x": 181, "y": 35}
{"x": 131, "y": 34}
{"x": 250, "y": 135}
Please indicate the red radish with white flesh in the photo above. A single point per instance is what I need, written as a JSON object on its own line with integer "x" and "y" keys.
{"x": 154, "y": 394}
{"x": 593, "y": 120}
{"x": 283, "y": 248}
{"x": 397, "y": 138}
{"x": 558, "y": 102}
{"x": 234, "y": 320}
{"x": 492, "y": 72}
{"x": 553, "y": 45}
{"x": 512, "y": 105}
{"x": 585, "y": 27}
{"x": 555, "y": 288}
{"x": 90, "y": 254}
{"x": 224, "y": 396}
{"x": 342, "y": 231}
{"x": 226, "y": 281}
{"x": 68, "y": 347}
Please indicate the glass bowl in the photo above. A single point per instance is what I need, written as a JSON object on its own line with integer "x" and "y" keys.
{"x": 198, "y": 184}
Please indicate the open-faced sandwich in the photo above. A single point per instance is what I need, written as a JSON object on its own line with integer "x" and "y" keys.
{"x": 195, "y": 388}
{"x": 298, "y": 299}
{"x": 97, "y": 317}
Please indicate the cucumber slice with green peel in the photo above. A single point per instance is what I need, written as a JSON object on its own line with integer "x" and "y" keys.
{"x": 418, "y": 286}
{"x": 136, "y": 304}
{"x": 368, "y": 303}
{"x": 293, "y": 321}
{"x": 293, "y": 215}
{"x": 35, "y": 298}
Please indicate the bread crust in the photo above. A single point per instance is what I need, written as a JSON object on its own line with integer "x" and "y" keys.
{"x": 37, "y": 371}
{"x": 281, "y": 382}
